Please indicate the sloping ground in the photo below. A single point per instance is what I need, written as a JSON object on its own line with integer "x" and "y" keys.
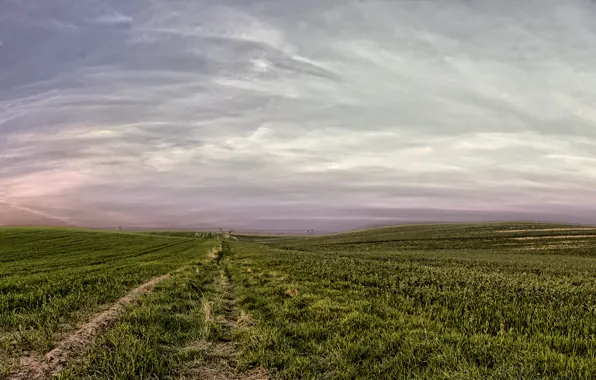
{"x": 51, "y": 279}
{"x": 455, "y": 230}
{"x": 497, "y": 237}
{"x": 184, "y": 329}
{"x": 441, "y": 302}
{"x": 444, "y": 301}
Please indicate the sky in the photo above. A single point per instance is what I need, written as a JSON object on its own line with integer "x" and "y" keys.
{"x": 284, "y": 114}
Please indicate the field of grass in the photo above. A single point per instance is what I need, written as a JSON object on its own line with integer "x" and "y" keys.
{"x": 454, "y": 301}
{"x": 159, "y": 337}
{"x": 448, "y": 301}
{"x": 50, "y": 279}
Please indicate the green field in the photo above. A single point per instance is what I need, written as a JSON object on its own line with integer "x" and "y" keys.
{"x": 52, "y": 278}
{"x": 454, "y": 301}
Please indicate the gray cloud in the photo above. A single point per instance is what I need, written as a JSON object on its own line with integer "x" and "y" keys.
{"x": 332, "y": 114}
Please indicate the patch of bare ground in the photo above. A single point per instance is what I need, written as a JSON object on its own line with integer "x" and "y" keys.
{"x": 219, "y": 365}
{"x": 215, "y": 252}
{"x": 553, "y": 237}
{"x": 552, "y": 229}
{"x": 74, "y": 344}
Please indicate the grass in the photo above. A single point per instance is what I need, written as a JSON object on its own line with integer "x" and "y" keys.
{"x": 170, "y": 334}
{"x": 450, "y": 301}
{"x": 457, "y": 301}
{"x": 154, "y": 340}
{"x": 52, "y": 278}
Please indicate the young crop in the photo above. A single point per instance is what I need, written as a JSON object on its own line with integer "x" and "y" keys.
{"x": 457, "y": 301}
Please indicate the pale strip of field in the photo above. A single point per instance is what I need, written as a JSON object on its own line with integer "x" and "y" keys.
{"x": 566, "y": 245}
{"x": 543, "y": 248}
{"x": 554, "y": 237}
{"x": 552, "y": 229}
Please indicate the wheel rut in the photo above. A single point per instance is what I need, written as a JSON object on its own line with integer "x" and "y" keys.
{"x": 42, "y": 367}
{"x": 222, "y": 354}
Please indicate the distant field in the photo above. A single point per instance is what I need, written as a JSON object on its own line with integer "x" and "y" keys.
{"x": 184, "y": 234}
{"x": 454, "y": 301}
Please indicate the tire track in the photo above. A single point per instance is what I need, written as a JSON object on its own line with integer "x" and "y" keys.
{"x": 223, "y": 354}
{"x": 36, "y": 368}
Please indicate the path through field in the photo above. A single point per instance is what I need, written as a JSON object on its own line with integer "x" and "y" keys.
{"x": 432, "y": 301}
{"x": 221, "y": 354}
{"x": 74, "y": 344}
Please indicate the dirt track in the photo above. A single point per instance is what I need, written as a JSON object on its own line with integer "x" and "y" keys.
{"x": 35, "y": 367}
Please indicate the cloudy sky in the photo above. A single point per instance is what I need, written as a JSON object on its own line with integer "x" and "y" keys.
{"x": 296, "y": 114}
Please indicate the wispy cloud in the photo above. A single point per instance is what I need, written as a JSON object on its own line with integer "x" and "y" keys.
{"x": 240, "y": 113}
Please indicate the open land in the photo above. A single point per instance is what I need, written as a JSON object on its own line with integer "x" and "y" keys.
{"x": 453, "y": 301}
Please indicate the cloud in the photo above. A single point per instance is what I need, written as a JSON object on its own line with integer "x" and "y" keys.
{"x": 113, "y": 19}
{"x": 246, "y": 113}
